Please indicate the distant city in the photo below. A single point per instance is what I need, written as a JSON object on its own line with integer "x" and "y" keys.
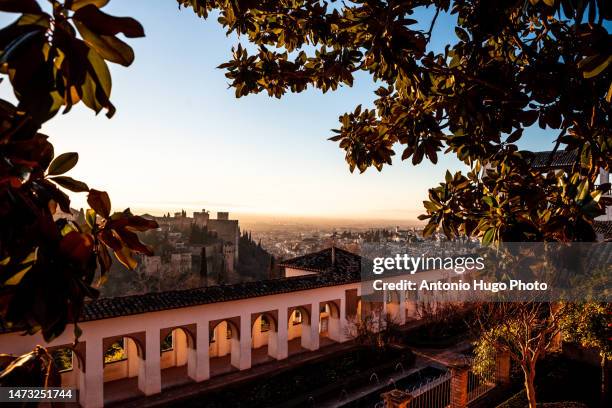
{"x": 205, "y": 249}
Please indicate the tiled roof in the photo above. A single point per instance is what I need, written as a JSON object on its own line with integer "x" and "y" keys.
{"x": 346, "y": 270}
{"x": 561, "y": 159}
{"x": 323, "y": 261}
{"x": 604, "y": 228}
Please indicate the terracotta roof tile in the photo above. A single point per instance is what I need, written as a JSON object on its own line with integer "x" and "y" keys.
{"x": 322, "y": 261}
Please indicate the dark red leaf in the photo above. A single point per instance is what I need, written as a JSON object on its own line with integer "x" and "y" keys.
{"x": 99, "y": 201}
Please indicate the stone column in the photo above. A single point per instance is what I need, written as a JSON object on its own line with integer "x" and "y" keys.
{"x": 235, "y": 349}
{"x": 91, "y": 376}
{"x": 335, "y": 327}
{"x": 245, "y": 342}
{"x": 343, "y": 335}
{"x": 459, "y": 386}
{"x": 278, "y": 343}
{"x": 502, "y": 368}
{"x": 198, "y": 361}
{"x": 396, "y": 399}
{"x": 310, "y": 332}
{"x": 149, "y": 373}
{"x": 181, "y": 347}
{"x": 132, "y": 357}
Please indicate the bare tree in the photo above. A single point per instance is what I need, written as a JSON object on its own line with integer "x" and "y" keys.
{"x": 525, "y": 330}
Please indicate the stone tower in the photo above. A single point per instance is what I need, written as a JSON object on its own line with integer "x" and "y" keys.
{"x": 229, "y": 251}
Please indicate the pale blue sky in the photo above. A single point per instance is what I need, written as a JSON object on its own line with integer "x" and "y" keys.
{"x": 180, "y": 139}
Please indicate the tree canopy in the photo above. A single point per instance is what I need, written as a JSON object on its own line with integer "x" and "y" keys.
{"x": 48, "y": 261}
{"x": 512, "y": 65}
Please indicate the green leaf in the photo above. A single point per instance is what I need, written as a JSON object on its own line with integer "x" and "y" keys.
{"x": 109, "y": 47}
{"x": 17, "y": 277}
{"x": 100, "y": 72}
{"x": 488, "y": 236}
{"x": 124, "y": 255}
{"x": 90, "y": 218}
{"x": 594, "y": 65}
{"x": 63, "y": 163}
{"x": 514, "y": 136}
{"x": 70, "y": 184}
{"x": 583, "y": 190}
{"x": 462, "y": 34}
{"x": 430, "y": 206}
{"x": 429, "y": 229}
{"x": 488, "y": 200}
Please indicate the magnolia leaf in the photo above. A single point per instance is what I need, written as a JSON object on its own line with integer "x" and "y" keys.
{"x": 137, "y": 223}
{"x": 20, "y": 6}
{"x": 63, "y": 163}
{"x": 514, "y": 136}
{"x": 429, "y": 229}
{"x": 99, "y": 71}
{"x": 70, "y": 184}
{"x": 77, "y": 4}
{"x": 15, "y": 279}
{"x": 104, "y": 259}
{"x": 77, "y": 246}
{"x": 109, "y": 47}
{"x": 124, "y": 255}
{"x": 105, "y": 24}
{"x": 583, "y": 190}
{"x": 99, "y": 201}
{"x": 430, "y": 206}
{"x": 488, "y": 236}
{"x": 90, "y": 218}
{"x": 594, "y": 65}
{"x": 462, "y": 34}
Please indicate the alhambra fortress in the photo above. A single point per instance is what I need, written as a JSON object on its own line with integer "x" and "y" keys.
{"x": 176, "y": 337}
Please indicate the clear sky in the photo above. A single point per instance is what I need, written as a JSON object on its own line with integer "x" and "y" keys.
{"x": 180, "y": 139}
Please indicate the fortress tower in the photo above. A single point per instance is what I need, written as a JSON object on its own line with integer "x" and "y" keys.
{"x": 229, "y": 251}
{"x": 201, "y": 218}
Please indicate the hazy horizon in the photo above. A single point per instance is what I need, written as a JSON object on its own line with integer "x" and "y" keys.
{"x": 249, "y": 220}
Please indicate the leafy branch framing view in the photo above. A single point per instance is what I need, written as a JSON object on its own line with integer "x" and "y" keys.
{"x": 513, "y": 63}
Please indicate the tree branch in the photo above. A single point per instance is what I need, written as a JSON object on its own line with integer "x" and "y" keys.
{"x": 433, "y": 23}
